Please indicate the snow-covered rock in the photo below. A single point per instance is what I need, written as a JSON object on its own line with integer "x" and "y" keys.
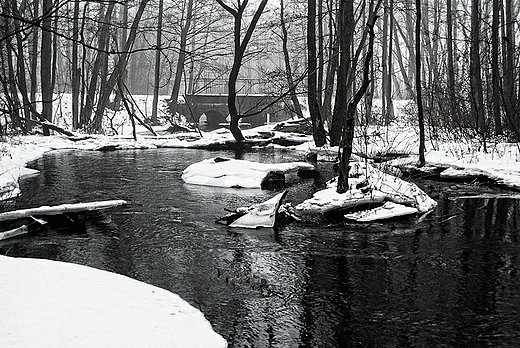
{"x": 368, "y": 185}
{"x": 225, "y": 172}
{"x": 56, "y": 304}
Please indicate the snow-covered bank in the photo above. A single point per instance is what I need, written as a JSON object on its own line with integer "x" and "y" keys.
{"x": 56, "y": 304}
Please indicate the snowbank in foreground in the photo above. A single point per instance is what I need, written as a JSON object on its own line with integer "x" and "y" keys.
{"x": 225, "y": 172}
{"x": 55, "y": 304}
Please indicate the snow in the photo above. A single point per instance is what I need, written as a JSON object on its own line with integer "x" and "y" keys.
{"x": 386, "y": 211}
{"x": 55, "y": 304}
{"x": 226, "y": 172}
{"x": 261, "y": 215}
{"x": 61, "y": 209}
{"x": 368, "y": 185}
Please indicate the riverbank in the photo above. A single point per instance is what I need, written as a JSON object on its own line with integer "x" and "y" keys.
{"x": 458, "y": 160}
{"x": 56, "y": 304}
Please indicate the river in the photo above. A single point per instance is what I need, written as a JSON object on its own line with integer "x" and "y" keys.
{"x": 450, "y": 280}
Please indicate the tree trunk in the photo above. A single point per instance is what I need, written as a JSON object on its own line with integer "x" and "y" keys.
{"x": 451, "y": 67}
{"x": 181, "y": 59}
{"x": 389, "y": 116}
{"x": 75, "y": 69}
{"x": 346, "y": 28}
{"x": 477, "y": 96}
{"x": 46, "y": 63}
{"x": 404, "y": 72}
{"x": 384, "y": 62}
{"x": 288, "y": 70}
{"x": 321, "y": 61}
{"x": 11, "y": 90}
{"x": 418, "y": 87}
{"x": 34, "y": 54}
{"x": 239, "y": 51}
{"x": 103, "y": 38}
{"x": 21, "y": 71}
{"x": 118, "y": 69}
{"x": 157, "y": 75}
{"x": 509, "y": 70}
{"x": 348, "y": 134}
{"x": 332, "y": 68}
{"x": 495, "y": 67}
{"x": 318, "y": 129}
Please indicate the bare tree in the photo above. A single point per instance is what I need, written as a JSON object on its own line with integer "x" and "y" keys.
{"x": 287, "y": 61}
{"x": 157, "y": 75}
{"x": 312, "y": 92}
{"x": 181, "y": 59}
{"x": 418, "y": 88}
{"x": 118, "y": 69}
{"x": 450, "y": 60}
{"x": 495, "y": 67}
{"x": 345, "y": 148}
{"x": 477, "y": 96}
{"x": 345, "y": 36}
{"x": 46, "y": 63}
{"x": 240, "y": 46}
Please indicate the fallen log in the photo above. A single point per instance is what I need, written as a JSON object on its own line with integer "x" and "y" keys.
{"x": 14, "y": 232}
{"x": 31, "y": 226}
{"x": 60, "y": 209}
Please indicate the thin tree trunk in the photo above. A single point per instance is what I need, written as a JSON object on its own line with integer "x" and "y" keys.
{"x": 450, "y": 63}
{"x": 418, "y": 92}
{"x": 321, "y": 52}
{"x": 346, "y": 36}
{"x": 12, "y": 91}
{"x": 495, "y": 67}
{"x": 312, "y": 93}
{"x": 509, "y": 70}
{"x": 34, "y": 54}
{"x": 384, "y": 62}
{"x": 288, "y": 70}
{"x": 75, "y": 69}
{"x": 389, "y": 116}
{"x": 157, "y": 77}
{"x": 118, "y": 69}
{"x": 181, "y": 59}
{"x": 239, "y": 51}
{"x": 400, "y": 61}
{"x": 348, "y": 135}
{"x": 86, "y": 112}
{"x": 54, "y": 72}
{"x": 332, "y": 68}
{"x": 46, "y": 63}
{"x": 21, "y": 71}
{"x": 477, "y": 96}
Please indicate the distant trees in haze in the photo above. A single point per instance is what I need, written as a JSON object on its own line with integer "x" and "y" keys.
{"x": 100, "y": 51}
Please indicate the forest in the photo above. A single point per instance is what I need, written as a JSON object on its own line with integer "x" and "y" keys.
{"x": 458, "y": 60}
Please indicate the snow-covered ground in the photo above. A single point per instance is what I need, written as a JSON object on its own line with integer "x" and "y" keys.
{"x": 55, "y": 304}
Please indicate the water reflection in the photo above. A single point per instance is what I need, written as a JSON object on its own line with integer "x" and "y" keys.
{"x": 449, "y": 280}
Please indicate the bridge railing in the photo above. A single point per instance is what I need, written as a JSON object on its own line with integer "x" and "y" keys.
{"x": 219, "y": 86}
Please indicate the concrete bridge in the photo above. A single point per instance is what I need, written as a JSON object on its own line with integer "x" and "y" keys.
{"x": 211, "y": 110}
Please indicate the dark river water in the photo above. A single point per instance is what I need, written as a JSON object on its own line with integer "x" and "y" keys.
{"x": 449, "y": 280}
